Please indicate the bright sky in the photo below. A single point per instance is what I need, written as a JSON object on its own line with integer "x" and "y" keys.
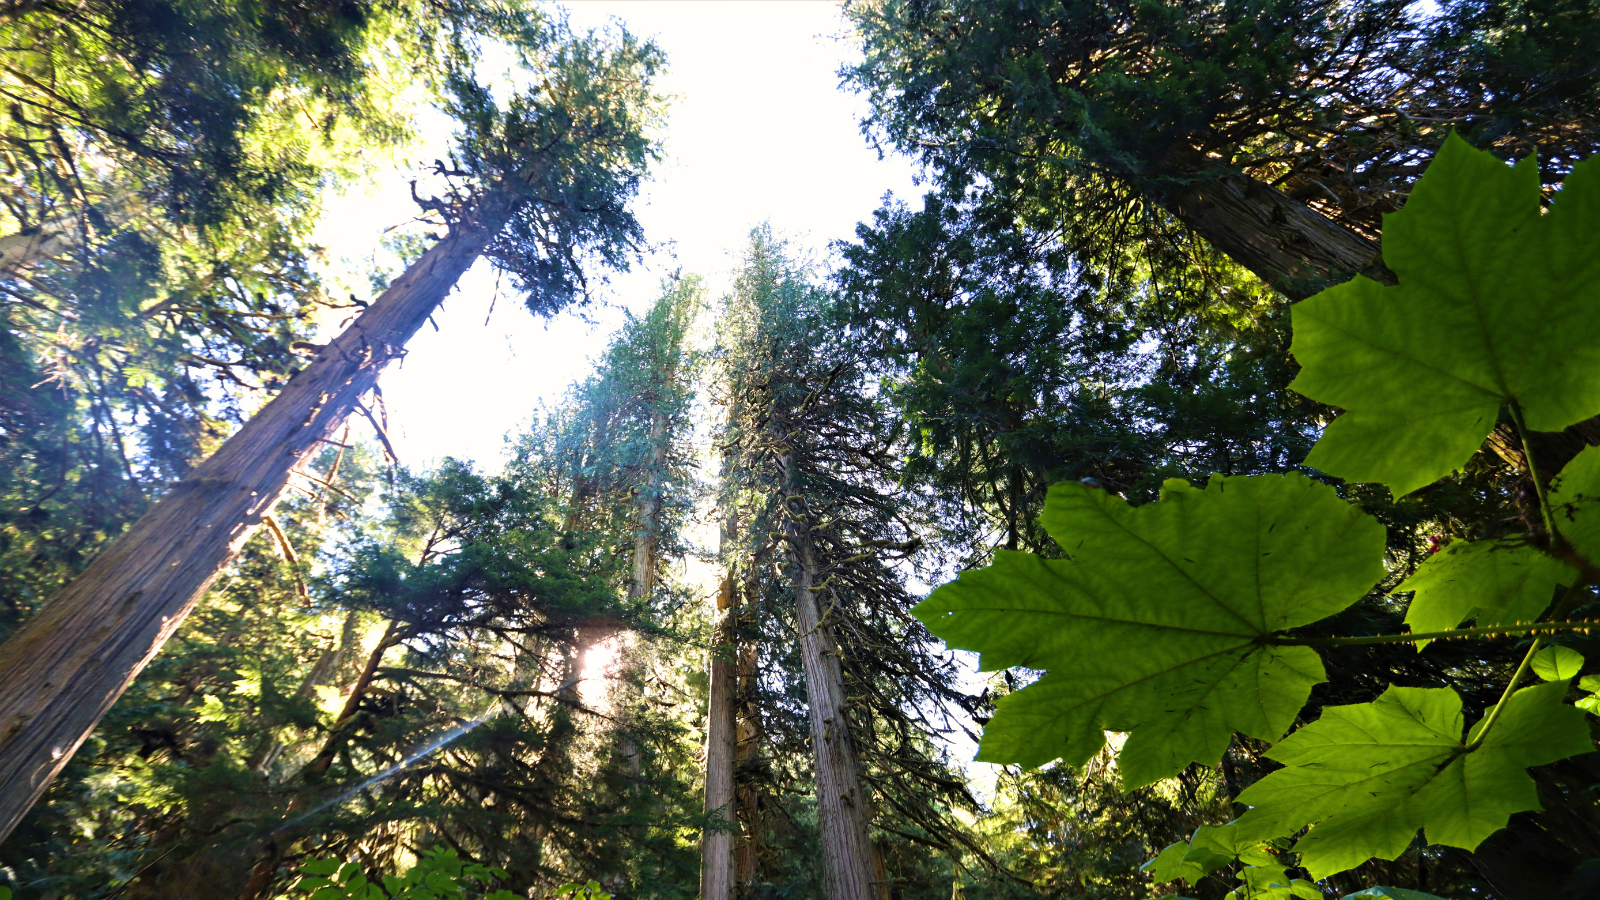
{"x": 759, "y": 130}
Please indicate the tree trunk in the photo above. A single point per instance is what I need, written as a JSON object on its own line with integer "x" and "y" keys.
{"x": 647, "y": 538}
{"x": 746, "y": 795}
{"x": 60, "y": 233}
{"x": 841, "y": 802}
{"x": 65, "y": 667}
{"x": 716, "y": 845}
{"x": 1284, "y": 242}
{"x": 882, "y": 882}
{"x": 646, "y": 561}
{"x": 320, "y": 763}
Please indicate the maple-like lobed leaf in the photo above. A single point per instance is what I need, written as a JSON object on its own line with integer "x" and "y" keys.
{"x": 1495, "y": 304}
{"x": 1366, "y": 777}
{"x": 1575, "y": 500}
{"x": 1496, "y": 583}
{"x": 1157, "y": 623}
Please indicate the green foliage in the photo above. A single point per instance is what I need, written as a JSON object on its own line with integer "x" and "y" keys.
{"x": 1557, "y": 663}
{"x": 469, "y": 598}
{"x": 1196, "y": 581}
{"x": 1209, "y": 849}
{"x": 1272, "y": 882}
{"x": 1495, "y": 583}
{"x": 1367, "y": 776}
{"x": 1572, "y": 497}
{"x": 809, "y": 447}
{"x": 1183, "y": 622}
{"x": 1264, "y": 877}
{"x": 1083, "y": 116}
{"x": 439, "y": 874}
{"x": 586, "y": 891}
{"x": 1494, "y": 308}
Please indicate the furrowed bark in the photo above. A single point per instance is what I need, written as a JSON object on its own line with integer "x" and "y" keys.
{"x": 1286, "y": 243}
{"x": 716, "y": 845}
{"x": 841, "y": 802}
{"x": 68, "y": 665}
{"x": 747, "y": 741}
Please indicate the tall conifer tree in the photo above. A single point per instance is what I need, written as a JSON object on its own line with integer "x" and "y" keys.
{"x": 537, "y": 212}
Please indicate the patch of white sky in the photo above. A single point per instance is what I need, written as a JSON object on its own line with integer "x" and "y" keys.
{"x": 759, "y": 130}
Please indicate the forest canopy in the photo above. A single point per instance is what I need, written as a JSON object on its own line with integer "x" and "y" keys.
{"x": 1210, "y": 451}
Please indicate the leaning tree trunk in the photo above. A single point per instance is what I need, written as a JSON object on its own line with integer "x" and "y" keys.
{"x": 716, "y": 845}
{"x": 841, "y": 802}
{"x": 68, "y": 665}
{"x": 1286, "y": 243}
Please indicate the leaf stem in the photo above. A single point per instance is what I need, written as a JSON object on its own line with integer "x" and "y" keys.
{"x": 1533, "y": 473}
{"x": 1481, "y": 631}
{"x": 1527, "y": 660}
{"x": 1511, "y": 688}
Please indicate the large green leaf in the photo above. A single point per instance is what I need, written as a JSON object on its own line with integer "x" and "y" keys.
{"x": 1367, "y": 776}
{"x": 1170, "y": 865}
{"x": 1211, "y": 848}
{"x": 1272, "y": 882}
{"x": 1497, "y": 583}
{"x": 1495, "y": 304}
{"x": 1157, "y": 623}
{"x": 1575, "y": 495}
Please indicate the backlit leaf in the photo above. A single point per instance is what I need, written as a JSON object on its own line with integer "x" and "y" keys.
{"x": 1366, "y": 777}
{"x": 1575, "y": 497}
{"x": 1216, "y": 846}
{"x": 1496, "y": 583}
{"x": 1557, "y": 663}
{"x": 1495, "y": 304}
{"x": 1211, "y": 848}
{"x": 1169, "y": 865}
{"x": 1155, "y": 624}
